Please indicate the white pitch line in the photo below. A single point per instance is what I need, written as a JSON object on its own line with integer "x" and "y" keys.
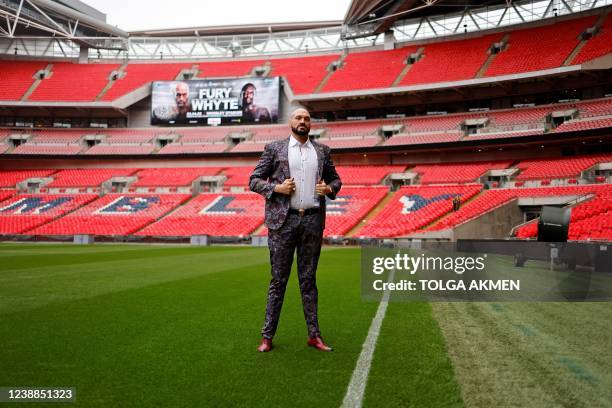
{"x": 356, "y": 388}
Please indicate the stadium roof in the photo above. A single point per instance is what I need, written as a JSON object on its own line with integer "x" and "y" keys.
{"x": 382, "y": 14}
{"x": 235, "y": 29}
{"x": 59, "y": 19}
{"x": 65, "y": 18}
{"x": 71, "y": 28}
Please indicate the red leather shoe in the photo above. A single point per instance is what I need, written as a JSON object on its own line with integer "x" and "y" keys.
{"x": 265, "y": 346}
{"x": 317, "y": 342}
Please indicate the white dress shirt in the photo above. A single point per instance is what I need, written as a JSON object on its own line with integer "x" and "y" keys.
{"x": 303, "y": 167}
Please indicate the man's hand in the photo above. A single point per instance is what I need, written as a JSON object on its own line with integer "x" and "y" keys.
{"x": 287, "y": 188}
{"x": 322, "y": 189}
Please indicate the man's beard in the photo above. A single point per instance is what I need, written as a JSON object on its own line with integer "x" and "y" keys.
{"x": 301, "y": 132}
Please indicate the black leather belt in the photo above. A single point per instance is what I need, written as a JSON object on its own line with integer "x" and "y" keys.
{"x": 301, "y": 212}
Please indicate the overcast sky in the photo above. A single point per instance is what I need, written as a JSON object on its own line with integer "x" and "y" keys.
{"x": 131, "y": 15}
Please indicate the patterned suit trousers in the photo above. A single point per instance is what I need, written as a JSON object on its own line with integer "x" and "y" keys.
{"x": 304, "y": 234}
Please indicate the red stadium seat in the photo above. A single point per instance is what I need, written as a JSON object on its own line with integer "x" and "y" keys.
{"x": 212, "y": 214}
{"x": 114, "y": 214}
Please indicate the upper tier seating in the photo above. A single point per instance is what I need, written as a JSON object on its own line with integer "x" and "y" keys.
{"x": 137, "y": 75}
{"x": 558, "y": 168}
{"x": 303, "y": 73}
{"x": 597, "y": 46}
{"x": 74, "y": 82}
{"x": 414, "y": 207}
{"x": 235, "y": 214}
{"x": 464, "y": 56}
{"x": 455, "y": 172}
{"x": 26, "y": 211}
{"x": 16, "y": 78}
{"x": 538, "y": 48}
{"x": 372, "y": 69}
{"x": 528, "y": 49}
{"x": 114, "y": 214}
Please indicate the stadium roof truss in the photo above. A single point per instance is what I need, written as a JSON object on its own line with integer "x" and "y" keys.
{"x": 467, "y": 19}
{"x": 64, "y": 32}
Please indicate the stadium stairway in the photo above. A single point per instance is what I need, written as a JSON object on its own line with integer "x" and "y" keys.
{"x": 407, "y": 68}
{"x": 120, "y": 72}
{"x": 267, "y": 69}
{"x": 259, "y": 230}
{"x": 330, "y": 72}
{"x": 597, "y": 26}
{"x": 491, "y": 57}
{"x": 35, "y": 84}
{"x": 382, "y": 204}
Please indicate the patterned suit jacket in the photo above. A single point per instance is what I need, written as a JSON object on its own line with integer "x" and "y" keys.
{"x": 273, "y": 169}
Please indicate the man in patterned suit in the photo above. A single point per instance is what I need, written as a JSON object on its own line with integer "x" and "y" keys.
{"x": 294, "y": 175}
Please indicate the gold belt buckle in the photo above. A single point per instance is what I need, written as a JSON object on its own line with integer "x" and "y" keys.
{"x": 301, "y": 212}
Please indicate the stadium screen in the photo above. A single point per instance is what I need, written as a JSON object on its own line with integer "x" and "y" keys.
{"x": 215, "y": 102}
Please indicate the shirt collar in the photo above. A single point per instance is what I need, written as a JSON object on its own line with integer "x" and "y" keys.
{"x": 294, "y": 142}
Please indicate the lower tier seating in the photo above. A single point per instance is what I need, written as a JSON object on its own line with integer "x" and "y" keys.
{"x": 591, "y": 219}
{"x": 23, "y": 212}
{"x": 4, "y": 194}
{"x": 414, "y": 207}
{"x": 212, "y": 214}
{"x": 114, "y": 214}
{"x": 348, "y": 209}
{"x": 490, "y": 199}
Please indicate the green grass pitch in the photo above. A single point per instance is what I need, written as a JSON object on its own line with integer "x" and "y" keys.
{"x": 171, "y": 326}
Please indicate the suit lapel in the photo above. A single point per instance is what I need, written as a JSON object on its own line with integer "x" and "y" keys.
{"x": 284, "y": 156}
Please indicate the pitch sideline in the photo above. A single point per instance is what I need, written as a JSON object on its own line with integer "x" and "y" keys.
{"x": 359, "y": 380}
